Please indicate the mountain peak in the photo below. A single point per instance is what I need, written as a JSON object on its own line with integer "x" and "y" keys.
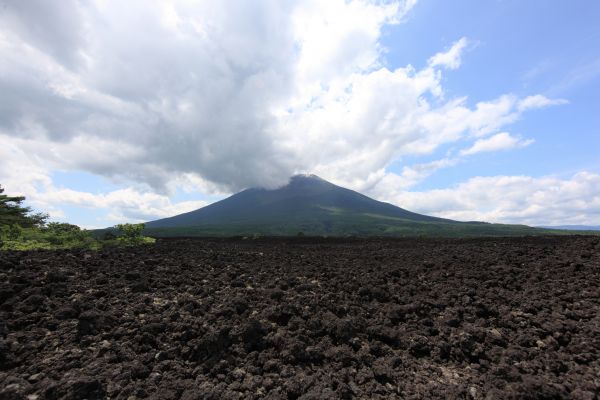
{"x": 307, "y": 181}
{"x": 307, "y": 203}
{"x": 306, "y": 177}
{"x": 311, "y": 205}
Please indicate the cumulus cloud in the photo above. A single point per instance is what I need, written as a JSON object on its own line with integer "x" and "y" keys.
{"x": 126, "y": 204}
{"x": 22, "y": 173}
{"x": 409, "y": 177}
{"x": 238, "y": 94}
{"x": 510, "y": 199}
{"x": 223, "y": 96}
{"x": 500, "y": 141}
{"x": 44, "y": 26}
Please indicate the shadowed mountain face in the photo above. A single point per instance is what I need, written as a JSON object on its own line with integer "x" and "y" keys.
{"x": 304, "y": 197}
{"x": 314, "y": 206}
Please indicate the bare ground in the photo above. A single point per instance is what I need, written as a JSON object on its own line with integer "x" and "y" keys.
{"x": 304, "y": 319}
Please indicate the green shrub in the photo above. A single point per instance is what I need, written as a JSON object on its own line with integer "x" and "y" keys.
{"x": 131, "y": 234}
{"x": 13, "y": 232}
{"x": 61, "y": 228}
{"x": 56, "y": 236}
{"x": 130, "y": 231}
{"x": 109, "y": 235}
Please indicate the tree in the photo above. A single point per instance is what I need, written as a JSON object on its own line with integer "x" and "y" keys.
{"x": 61, "y": 228}
{"x": 12, "y": 212}
{"x": 130, "y": 232}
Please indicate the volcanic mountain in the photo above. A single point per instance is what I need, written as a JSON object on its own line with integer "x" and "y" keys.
{"x": 312, "y": 206}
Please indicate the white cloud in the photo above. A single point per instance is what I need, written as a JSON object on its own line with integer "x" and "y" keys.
{"x": 508, "y": 199}
{"x": 500, "y": 141}
{"x": 337, "y": 38}
{"x": 21, "y": 173}
{"x": 410, "y": 176}
{"x": 125, "y": 204}
{"x": 238, "y": 95}
{"x": 221, "y": 96}
{"x": 451, "y": 58}
{"x": 538, "y": 101}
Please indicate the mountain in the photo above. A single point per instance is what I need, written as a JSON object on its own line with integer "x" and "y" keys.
{"x": 574, "y": 227}
{"x": 313, "y": 206}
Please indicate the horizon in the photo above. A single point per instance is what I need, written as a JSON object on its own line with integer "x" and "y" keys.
{"x": 133, "y": 112}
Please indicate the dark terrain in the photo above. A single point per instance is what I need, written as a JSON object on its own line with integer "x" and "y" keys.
{"x": 515, "y": 318}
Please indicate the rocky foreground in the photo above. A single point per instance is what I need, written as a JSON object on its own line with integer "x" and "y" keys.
{"x": 304, "y": 319}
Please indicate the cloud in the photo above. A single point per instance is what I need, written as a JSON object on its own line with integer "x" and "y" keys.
{"x": 508, "y": 199}
{"x": 125, "y": 204}
{"x": 412, "y": 175}
{"x": 21, "y": 172}
{"x": 409, "y": 177}
{"x": 500, "y": 141}
{"x": 337, "y": 38}
{"x": 538, "y": 101}
{"x": 47, "y": 27}
{"x": 451, "y": 58}
{"x": 218, "y": 96}
{"x": 239, "y": 94}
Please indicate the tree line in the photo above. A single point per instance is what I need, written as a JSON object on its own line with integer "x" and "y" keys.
{"x": 21, "y": 228}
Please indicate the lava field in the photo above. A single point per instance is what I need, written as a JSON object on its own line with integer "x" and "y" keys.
{"x": 497, "y": 318}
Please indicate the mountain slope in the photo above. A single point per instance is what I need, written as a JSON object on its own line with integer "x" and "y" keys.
{"x": 314, "y": 206}
{"x": 302, "y": 197}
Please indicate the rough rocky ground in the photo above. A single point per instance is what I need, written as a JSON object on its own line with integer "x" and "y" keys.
{"x": 304, "y": 319}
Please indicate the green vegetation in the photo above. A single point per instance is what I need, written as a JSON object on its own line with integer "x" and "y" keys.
{"x": 12, "y": 212}
{"x": 131, "y": 235}
{"x": 21, "y": 229}
{"x": 51, "y": 236}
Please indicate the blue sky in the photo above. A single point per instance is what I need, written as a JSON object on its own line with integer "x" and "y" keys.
{"x": 130, "y": 112}
{"x": 520, "y": 47}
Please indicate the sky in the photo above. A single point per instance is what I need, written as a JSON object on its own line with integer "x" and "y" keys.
{"x": 116, "y": 111}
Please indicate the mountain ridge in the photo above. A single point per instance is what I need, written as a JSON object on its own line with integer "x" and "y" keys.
{"x": 311, "y": 205}
{"x": 302, "y": 192}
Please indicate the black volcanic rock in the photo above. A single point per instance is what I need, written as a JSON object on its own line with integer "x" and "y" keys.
{"x": 501, "y": 318}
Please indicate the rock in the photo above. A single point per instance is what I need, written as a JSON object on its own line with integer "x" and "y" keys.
{"x": 327, "y": 318}
{"x": 66, "y": 312}
{"x": 252, "y": 333}
{"x": 93, "y": 322}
